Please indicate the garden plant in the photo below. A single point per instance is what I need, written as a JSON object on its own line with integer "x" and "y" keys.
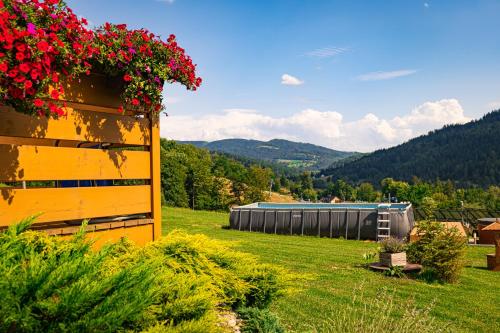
{"x": 181, "y": 283}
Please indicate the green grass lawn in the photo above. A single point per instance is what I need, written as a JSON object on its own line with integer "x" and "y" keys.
{"x": 472, "y": 305}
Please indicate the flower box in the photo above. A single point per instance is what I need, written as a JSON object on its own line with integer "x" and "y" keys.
{"x": 393, "y": 259}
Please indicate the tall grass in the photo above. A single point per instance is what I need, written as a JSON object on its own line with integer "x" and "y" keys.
{"x": 380, "y": 314}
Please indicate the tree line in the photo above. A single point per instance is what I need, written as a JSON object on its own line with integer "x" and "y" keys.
{"x": 434, "y": 195}
{"x": 195, "y": 178}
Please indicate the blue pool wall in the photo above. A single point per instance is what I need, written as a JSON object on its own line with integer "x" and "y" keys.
{"x": 346, "y": 220}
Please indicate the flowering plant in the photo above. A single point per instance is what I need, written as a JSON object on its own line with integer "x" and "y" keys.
{"x": 40, "y": 42}
{"x": 144, "y": 62}
{"x": 44, "y": 42}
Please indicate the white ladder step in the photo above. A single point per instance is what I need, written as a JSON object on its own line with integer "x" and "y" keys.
{"x": 379, "y": 228}
{"x": 383, "y": 220}
{"x": 379, "y": 236}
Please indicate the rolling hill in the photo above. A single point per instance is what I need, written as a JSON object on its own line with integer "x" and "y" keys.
{"x": 296, "y": 155}
{"x": 467, "y": 154}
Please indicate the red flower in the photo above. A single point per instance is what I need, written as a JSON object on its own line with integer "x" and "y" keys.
{"x": 127, "y": 78}
{"x": 4, "y": 67}
{"x": 120, "y": 109}
{"x": 135, "y": 101}
{"x": 13, "y": 73}
{"x": 34, "y": 74}
{"x": 42, "y": 46}
{"x": 25, "y": 68}
{"x": 20, "y": 56}
{"x": 20, "y": 47}
{"x": 28, "y": 84}
{"x": 19, "y": 78}
{"x": 55, "y": 77}
{"x": 54, "y": 94}
{"x": 38, "y": 102}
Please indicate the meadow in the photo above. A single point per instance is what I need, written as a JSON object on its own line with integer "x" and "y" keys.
{"x": 333, "y": 274}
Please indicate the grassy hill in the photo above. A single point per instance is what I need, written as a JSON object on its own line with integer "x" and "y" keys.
{"x": 296, "y": 155}
{"x": 334, "y": 270}
{"x": 468, "y": 154}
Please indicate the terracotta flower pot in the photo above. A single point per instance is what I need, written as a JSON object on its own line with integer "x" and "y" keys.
{"x": 393, "y": 259}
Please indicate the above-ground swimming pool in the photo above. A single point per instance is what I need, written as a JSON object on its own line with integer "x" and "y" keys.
{"x": 347, "y": 220}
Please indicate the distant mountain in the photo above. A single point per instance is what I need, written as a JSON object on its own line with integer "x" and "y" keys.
{"x": 468, "y": 154}
{"x": 297, "y": 155}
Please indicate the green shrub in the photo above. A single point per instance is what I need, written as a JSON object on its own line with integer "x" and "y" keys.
{"x": 392, "y": 245}
{"x": 380, "y": 314}
{"x": 50, "y": 285}
{"x": 176, "y": 284}
{"x": 439, "y": 249}
{"x": 257, "y": 320}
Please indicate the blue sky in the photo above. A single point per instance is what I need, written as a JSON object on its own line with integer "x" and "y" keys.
{"x": 352, "y": 75}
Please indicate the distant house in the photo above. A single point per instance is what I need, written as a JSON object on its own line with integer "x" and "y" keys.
{"x": 335, "y": 200}
{"x": 331, "y": 199}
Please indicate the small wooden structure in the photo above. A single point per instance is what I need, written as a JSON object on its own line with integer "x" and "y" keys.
{"x": 94, "y": 163}
{"x": 486, "y": 236}
{"x": 493, "y": 259}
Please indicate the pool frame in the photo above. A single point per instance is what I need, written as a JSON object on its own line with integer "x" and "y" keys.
{"x": 346, "y": 220}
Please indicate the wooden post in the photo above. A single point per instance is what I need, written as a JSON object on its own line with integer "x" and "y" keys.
{"x": 291, "y": 226}
{"x": 155, "y": 175}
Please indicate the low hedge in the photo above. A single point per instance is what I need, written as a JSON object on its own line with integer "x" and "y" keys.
{"x": 180, "y": 283}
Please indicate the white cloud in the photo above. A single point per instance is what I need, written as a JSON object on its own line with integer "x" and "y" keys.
{"x": 289, "y": 80}
{"x": 426, "y": 4}
{"x": 166, "y": 1}
{"x": 377, "y": 76}
{"x": 327, "y": 52}
{"x": 171, "y": 100}
{"x": 495, "y": 105}
{"x": 326, "y": 128}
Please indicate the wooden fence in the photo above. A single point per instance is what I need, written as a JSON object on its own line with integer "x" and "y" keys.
{"x": 94, "y": 163}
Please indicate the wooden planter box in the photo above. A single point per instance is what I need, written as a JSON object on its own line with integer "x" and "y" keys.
{"x": 70, "y": 149}
{"x": 393, "y": 259}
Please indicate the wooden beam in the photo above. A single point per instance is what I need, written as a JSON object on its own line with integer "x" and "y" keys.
{"x": 155, "y": 193}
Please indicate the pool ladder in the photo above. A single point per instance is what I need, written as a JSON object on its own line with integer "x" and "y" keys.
{"x": 383, "y": 225}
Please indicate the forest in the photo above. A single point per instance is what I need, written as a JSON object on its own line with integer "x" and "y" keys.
{"x": 468, "y": 154}
{"x": 196, "y": 178}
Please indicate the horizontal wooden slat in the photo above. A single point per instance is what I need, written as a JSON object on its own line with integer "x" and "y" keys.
{"x": 61, "y": 204}
{"x": 18, "y": 163}
{"x": 77, "y": 126}
{"x": 61, "y": 228}
{"x": 140, "y": 235}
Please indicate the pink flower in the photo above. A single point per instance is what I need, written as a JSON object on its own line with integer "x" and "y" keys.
{"x": 31, "y": 28}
